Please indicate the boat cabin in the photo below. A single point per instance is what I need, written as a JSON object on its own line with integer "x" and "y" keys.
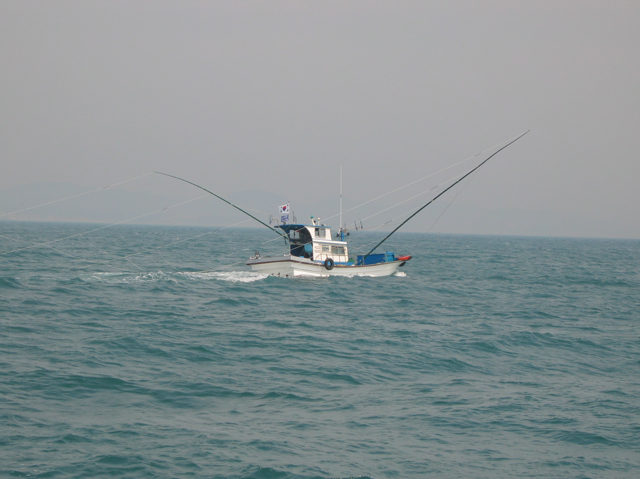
{"x": 315, "y": 243}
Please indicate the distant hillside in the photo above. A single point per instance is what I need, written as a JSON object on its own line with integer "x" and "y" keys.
{"x": 115, "y": 205}
{"x": 118, "y": 205}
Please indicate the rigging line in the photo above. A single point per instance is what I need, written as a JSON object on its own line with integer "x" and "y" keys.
{"x": 228, "y": 202}
{"x": 389, "y": 208}
{"x": 269, "y": 241}
{"x": 164, "y": 245}
{"x": 105, "y": 252}
{"x": 64, "y": 253}
{"x": 458, "y": 191}
{"x": 134, "y": 264}
{"x": 443, "y": 192}
{"x": 421, "y": 179}
{"x": 413, "y": 197}
{"x": 166, "y": 260}
{"x": 251, "y": 208}
{"x": 373, "y": 228}
{"x": 220, "y": 267}
{"x": 9, "y": 238}
{"x": 365, "y": 246}
{"x": 102, "y": 227}
{"x": 59, "y": 251}
{"x": 392, "y": 220}
{"x": 74, "y": 196}
{"x": 76, "y": 257}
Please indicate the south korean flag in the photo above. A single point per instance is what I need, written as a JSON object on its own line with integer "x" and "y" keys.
{"x": 284, "y": 213}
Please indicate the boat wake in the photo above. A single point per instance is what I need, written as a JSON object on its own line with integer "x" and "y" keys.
{"x": 233, "y": 276}
{"x": 161, "y": 276}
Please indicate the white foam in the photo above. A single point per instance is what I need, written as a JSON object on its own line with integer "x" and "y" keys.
{"x": 127, "y": 278}
{"x": 233, "y": 276}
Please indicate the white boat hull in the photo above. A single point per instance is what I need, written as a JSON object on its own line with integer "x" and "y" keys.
{"x": 291, "y": 266}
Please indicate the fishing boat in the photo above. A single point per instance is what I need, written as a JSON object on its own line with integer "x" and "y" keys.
{"x": 314, "y": 252}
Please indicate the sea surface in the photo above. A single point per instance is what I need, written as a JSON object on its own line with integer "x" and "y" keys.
{"x": 154, "y": 352}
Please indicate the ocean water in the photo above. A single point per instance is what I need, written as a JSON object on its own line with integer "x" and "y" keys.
{"x": 153, "y": 352}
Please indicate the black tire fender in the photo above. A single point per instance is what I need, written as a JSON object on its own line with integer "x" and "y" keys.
{"x": 328, "y": 264}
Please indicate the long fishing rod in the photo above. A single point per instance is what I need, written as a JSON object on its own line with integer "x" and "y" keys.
{"x": 228, "y": 202}
{"x": 443, "y": 192}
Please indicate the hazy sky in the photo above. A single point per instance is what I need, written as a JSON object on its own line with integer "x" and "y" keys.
{"x": 275, "y": 95}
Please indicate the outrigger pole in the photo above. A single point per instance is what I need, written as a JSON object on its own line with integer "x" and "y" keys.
{"x": 228, "y": 202}
{"x": 438, "y": 196}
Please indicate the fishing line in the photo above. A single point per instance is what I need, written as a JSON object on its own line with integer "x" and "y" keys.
{"x": 387, "y": 209}
{"x": 391, "y": 221}
{"x": 221, "y": 267}
{"x": 104, "y": 227}
{"x": 107, "y": 253}
{"x": 167, "y": 261}
{"x": 75, "y": 196}
{"x": 458, "y": 191}
{"x": 84, "y": 259}
{"x": 423, "y": 178}
{"x": 226, "y": 201}
{"x": 395, "y": 205}
{"x": 164, "y": 245}
{"x": 63, "y": 253}
{"x": 445, "y": 190}
{"x": 455, "y": 178}
{"x": 59, "y": 251}
{"x": 373, "y": 228}
{"x": 9, "y": 238}
{"x": 390, "y": 208}
{"x": 415, "y": 196}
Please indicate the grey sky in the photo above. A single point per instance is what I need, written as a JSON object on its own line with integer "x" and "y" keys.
{"x": 274, "y": 96}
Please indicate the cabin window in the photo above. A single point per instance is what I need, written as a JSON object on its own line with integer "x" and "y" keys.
{"x": 337, "y": 250}
{"x": 320, "y": 232}
{"x": 326, "y": 248}
{"x": 294, "y": 235}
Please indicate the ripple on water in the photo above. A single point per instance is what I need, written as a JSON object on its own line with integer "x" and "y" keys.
{"x": 487, "y": 357}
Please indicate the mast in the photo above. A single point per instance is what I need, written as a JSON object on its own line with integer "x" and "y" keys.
{"x": 341, "y": 230}
{"x": 446, "y": 189}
